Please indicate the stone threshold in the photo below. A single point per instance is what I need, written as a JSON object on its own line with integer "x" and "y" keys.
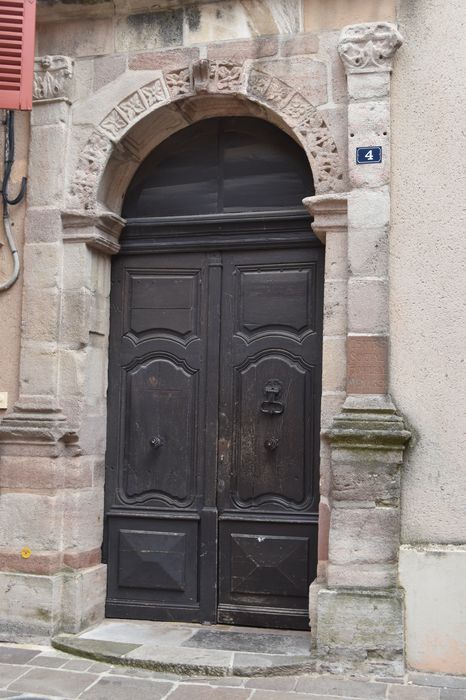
{"x": 193, "y": 650}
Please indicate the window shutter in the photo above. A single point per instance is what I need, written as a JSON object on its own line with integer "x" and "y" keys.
{"x": 17, "y": 24}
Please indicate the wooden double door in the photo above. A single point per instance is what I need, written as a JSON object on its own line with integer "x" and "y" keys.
{"x": 212, "y": 460}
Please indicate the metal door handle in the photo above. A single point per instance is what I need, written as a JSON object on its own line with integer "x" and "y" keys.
{"x": 156, "y": 442}
{"x": 271, "y": 406}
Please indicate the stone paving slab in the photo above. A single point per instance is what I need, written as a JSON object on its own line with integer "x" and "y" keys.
{"x": 48, "y": 681}
{"x": 273, "y": 683}
{"x": 341, "y": 688}
{"x": 9, "y": 673}
{"x": 412, "y": 693}
{"x": 250, "y": 642}
{"x": 437, "y": 680}
{"x": 202, "y": 692}
{"x": 16, "y": 655}
{"x": 140, "y": 632}
{"x": 452, "y": 694}
{"x": 119, "y": 688}
{"x": 267, "y": 695}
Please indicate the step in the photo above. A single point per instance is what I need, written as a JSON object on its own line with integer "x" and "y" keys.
{"x": 190, "y": 649}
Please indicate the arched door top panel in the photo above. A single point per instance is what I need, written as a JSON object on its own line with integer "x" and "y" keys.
{"x": 221, "y": 165}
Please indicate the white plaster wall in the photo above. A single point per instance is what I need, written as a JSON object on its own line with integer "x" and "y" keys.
{"x": 428, "y": 322}
{"x": 428, "y": 265}
{"x": 433, "y": 577}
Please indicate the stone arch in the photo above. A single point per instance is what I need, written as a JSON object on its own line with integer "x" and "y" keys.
{"x": 204, "y": 89}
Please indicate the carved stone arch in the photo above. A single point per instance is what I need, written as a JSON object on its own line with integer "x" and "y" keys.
{"x": 175, "y": 99}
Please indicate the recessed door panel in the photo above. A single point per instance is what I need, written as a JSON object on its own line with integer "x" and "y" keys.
{"x": 269, "y": 448}
{"x": 290, "y": 302}
{"x": 160, "y": 431}
{"x": 163, "y": 302}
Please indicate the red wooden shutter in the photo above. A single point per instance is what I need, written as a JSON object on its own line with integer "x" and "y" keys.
{"x": 17, "y": 24}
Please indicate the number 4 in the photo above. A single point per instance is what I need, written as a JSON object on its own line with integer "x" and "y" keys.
{"x": 369, "y": 155}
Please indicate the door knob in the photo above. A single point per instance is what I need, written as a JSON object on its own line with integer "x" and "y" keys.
{"x": 271, "y": 443}
{"x": 156, "y": 442}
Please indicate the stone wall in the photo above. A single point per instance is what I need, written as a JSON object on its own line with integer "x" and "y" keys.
{"x": 427, "y": 307}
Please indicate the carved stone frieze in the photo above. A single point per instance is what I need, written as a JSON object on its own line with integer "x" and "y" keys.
{"x": 307, "y": 121}
{"x": 89, "y": 167}
{"x": 153, "y": 93}
{"x": 132, "y": 106}
{"x": 216, "y": 76}
{"x": 113, "y": 123}
{"x": 52, "y": 77}
{"x": 212, "y": 77}
{"x": 226, "y": 77}
{"x": 179, "y": 82}
{"x": 258, "y": 83}
{"x": 368, "y": 48}
{"x": 95, "y": 153}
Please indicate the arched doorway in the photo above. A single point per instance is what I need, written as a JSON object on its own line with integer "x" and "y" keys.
{"x": 214, "y": 382}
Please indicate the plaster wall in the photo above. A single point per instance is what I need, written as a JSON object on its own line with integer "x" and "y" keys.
{"x": 428, "y": 330}
{"x": 10, "y": 300}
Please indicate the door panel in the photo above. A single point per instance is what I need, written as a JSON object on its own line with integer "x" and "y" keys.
{"x": 269, "y": 427}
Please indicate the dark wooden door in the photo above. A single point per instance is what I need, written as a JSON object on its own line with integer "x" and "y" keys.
{"x": 214, "y": 382}
{"x": 214, "y": 420}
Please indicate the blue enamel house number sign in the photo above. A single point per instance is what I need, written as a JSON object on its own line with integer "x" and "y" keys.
{"x": 372, "y": 154}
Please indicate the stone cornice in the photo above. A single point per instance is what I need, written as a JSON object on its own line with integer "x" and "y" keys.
{"x": 52, "y": 78}
{"x": 330, "y": 213}
{"x": 369, "y": 48}
{"x": 368, "y": 421}
{"x": 99, "y": 230}
{"x": 31, "y": 425}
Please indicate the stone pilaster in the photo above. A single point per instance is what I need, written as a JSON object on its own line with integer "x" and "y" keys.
{"x": 37, "y": 407}
{"x": 367, "y": 52}
{"x": 330, "y": 225}
{"x": 358, "y": 608}
{"x": 51, "y": 576}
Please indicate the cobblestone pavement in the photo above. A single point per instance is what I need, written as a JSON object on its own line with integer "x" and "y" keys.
{"x": 27, "y": 671}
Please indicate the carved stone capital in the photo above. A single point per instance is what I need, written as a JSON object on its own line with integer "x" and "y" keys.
{"x": 369, "y": 48}
{"x": 52, "y": 78}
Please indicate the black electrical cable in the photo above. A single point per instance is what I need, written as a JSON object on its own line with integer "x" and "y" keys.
{"x": 9, "y": 159}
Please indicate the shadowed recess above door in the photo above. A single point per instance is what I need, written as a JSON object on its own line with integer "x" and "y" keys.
{"x": 222, "y": 165}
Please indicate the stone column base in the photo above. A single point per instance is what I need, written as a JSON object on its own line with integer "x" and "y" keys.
{"x": 359, "y": 625}
{"x": 34, "y": 607}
